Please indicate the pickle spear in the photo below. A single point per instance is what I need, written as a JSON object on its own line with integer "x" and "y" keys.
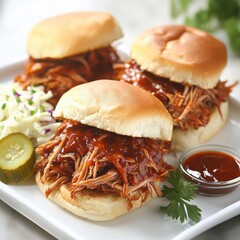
{"x": 17, "y": 158}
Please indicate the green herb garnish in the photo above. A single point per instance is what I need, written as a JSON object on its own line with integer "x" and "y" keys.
{"x": 18, "y": 100}
{"x": 216, "y": 15}
{"x": 179, "y": 196}
{"x": 41, "y": 108}
{"x": 30, "y": 102}
{"x": 32, "y": 112}
{"x": 4, "y": 106}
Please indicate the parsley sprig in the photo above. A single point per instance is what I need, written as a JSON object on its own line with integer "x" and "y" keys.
{"x": 215, "y": 15}
{"x": 179, "y": 196}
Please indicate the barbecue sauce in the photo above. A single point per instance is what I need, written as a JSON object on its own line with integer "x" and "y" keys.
{"x": 60, "y": 75}
{"x": 126, "y": 154}
{"x": 212, "y": 166}
{"x": 214, "y": 172}
{"x": 154, "y": 84}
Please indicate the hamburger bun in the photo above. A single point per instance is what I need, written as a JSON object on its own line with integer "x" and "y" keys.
{"x": 71, "y": 34}
{"x": 182, "y": 140}
{"x": 116, "y": 107}
{"x": 88, "y": 204}
{"x": 182, "y": 54}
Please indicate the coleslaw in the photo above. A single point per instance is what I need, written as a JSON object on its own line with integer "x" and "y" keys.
{"x": 26, "y": 111}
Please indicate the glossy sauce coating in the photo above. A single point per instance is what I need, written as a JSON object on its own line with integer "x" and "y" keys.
{"x": 116, "y": 148}
{"x": 154, "y": 84}
{"x": 212, "y": 166}
{"x": 136, "y": 159}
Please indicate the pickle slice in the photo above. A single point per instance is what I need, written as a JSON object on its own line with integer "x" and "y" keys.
{"x": 17, "y": 158}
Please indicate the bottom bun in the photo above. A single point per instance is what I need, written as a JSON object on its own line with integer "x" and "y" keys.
{"x": 182, "y": 140}
{"x": 90, "y": 204}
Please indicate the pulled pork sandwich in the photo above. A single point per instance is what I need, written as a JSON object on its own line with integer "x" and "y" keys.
{"x": 71, "y": 49}
{"x": 181, "y": 66}
{"x": 107, "y": 156}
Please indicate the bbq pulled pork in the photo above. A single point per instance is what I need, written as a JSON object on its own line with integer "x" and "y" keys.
{"x": 59, "y": 75}
{"x": 190, "y": 106}
{"x": 85, "y": 157}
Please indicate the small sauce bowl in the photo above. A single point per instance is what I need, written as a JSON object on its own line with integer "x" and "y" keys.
{"x": 215, "y": 169}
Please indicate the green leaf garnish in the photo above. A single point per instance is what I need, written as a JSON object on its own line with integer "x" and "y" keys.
{"x": 215, "y": 15}
{"x": 30, "y": 102}
{"x": 18, "y": 100}
{"x": 178, "y": 7}
{"x": 41, "y": 108}
{"x": 179, "y": 196}
{"x": 32, "y": 112}
{"x": 4, "y": 106}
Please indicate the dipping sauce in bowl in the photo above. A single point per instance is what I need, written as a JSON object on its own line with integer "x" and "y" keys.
{"x": 214, "y": 168}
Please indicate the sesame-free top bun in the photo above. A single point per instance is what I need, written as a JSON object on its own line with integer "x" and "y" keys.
{"x": 117, "y": 107}
{"x": 71, "y": 34}
{"x": 182, "y": 54}
{"x": 114, "y": 106}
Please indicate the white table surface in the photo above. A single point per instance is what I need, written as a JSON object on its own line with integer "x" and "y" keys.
{"x": 16, "y": 20}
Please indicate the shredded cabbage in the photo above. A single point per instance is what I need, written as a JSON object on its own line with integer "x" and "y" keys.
{"x": 26, "y": 111}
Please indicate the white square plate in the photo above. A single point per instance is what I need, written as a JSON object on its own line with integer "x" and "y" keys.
{"x": 144, "y": 223}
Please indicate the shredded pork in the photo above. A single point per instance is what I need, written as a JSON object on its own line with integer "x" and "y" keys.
{"x": 190, "y": 106}
{"x": 85, "y": 157}
{"x": 59, "y": 75}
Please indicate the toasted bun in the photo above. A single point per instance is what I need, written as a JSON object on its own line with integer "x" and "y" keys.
{"x": 71, "y": 34}
{"x": 182, "y": 140}
{"x": 117, "y": 107}
{"x": 182, "y": 54}
{"x": 90, "y": 204}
